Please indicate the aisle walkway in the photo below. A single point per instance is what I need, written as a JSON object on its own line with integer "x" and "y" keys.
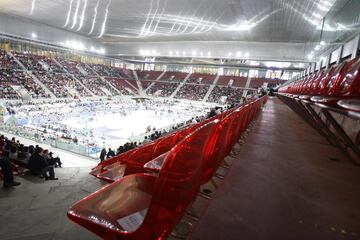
{"x": 287, "y": 183}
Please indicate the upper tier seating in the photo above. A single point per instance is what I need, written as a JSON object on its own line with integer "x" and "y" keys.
{"x": 94, "y": 84}
{"x": 122, "y": 86}
{"x": 38, "y": 63}
{"x": 145, "y": 84}
{"x": 29, "y": 61}
{"x": 236, "y": 81}
{"x": 12, "y": 75}
{"x": 233, "y": 95}
{"x": 70, "y": 66}
{"x": 201, "y": 78}
{"x": 107, "y": 71}
{"x": 6, "y": 61}
{"x": 148, "y": 75}
{"x": 163, "y": 89}
{"x": 61, "y": 85}
{"x": 192, "y": 92}
{"x": 174, "y": 76}
{"x": 259, "y": 82}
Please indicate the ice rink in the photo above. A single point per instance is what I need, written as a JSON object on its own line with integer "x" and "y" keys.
{"x": 105, "y": 123}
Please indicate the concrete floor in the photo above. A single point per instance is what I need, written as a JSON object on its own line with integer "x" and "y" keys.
{"x": 37, "y": 209}
{"x": 286, "y": 183}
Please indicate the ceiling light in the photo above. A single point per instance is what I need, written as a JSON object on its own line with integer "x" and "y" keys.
{"x": 177, "y": 53}
{"x": 193, "y": 53}
{"x": 327, "y": 3}
{"x": 33, "y": 35}
{"x": 323, "y": 8}
{"x": 171, "y": 53}
{"x": 209, "y": 53}
{"x": 310, "y": 56}
{"x": 238, "y": 54}
{"x": 317, "y": 15}
{"x": 247, "y": 55}
{"x": 322, "y": 43}
{"x": 317, "y": 47}
{"x": 183, "y": 53}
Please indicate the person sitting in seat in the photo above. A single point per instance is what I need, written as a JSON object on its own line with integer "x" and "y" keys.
{"x": 110, "y": 154}
{"x": 55, "y": 159}
{"x": 39, "y": 166}
{"x": 7, "y": 171}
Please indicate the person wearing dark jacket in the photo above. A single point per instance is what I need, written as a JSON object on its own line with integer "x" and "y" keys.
{"x": 7, "y": 171}
{"x": 102, "y": 154}
{"x": 39, "y": 166}
{"x": 110, "y": 154}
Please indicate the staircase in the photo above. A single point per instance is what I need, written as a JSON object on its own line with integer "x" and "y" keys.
{"x": 73, "y": 77}
{"x": 161, "y": 75}
{"x": 105, "y": 81}
{"x": 180, "y": 85}
{"x": 134, "y": 89}
{"x": 212, "y": 86}
{"x": 247, "y": 85}
{"x": 22, "y": 92}
{"x": 141, "y": 90}
{"x": 150, "y": 86}
{"x": 34, "y": 78}
{"x": 208, "y": 93}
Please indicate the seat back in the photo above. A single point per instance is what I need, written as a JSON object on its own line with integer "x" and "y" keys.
{"x": 316, "y": 82}
{"x": 109, "y": 163}
{"x": 138, "y": 158}
{"x": 349, "y": 84}
{"x": 321, "y": 89}
{"x": 214, "y": 158}
{"x": 164, "y": 144}
{"x": 336, "y": 74}
{"x": 178, "y": 182}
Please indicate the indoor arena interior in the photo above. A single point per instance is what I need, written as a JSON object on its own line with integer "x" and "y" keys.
{"x": 180, "y": 119}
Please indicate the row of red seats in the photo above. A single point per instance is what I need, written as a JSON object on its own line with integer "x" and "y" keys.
{"x": 153, "y": 196}
{"x": 337, "y": 86}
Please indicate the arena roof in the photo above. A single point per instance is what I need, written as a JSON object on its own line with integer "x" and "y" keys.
{"x": 127, "y": 27}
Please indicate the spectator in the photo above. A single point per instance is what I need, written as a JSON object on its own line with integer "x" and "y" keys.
{"x": 110, "y": 154}
{"x": 7, "y": 171}
{"x": 39, "y": 166}
{"x": 55, "y": 160}
{"x": 102, "y": 154}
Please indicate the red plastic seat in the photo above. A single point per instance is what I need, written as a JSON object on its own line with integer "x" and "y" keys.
{"x": 142, "y": 206}
{"x": 349, "y": 84}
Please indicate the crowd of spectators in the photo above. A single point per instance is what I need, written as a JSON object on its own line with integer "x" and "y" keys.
{"x": 38, "y": 161}
{"x": 60, "y": 84}
{"x": 163, "y": 89}
{"x": 148, "y": 75}
{"x": 11, "y": 75}
{"x": 174, "y": 76}
{"x": 201, "y": 78}
{"x": 153, "y": 134}
{"x": 121, "y": 85}
{"x": 232, "y": 95}
{"x": 94, "y": 84}
{"x": 69, "y": 78}
{"x": 192, "y": 92}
